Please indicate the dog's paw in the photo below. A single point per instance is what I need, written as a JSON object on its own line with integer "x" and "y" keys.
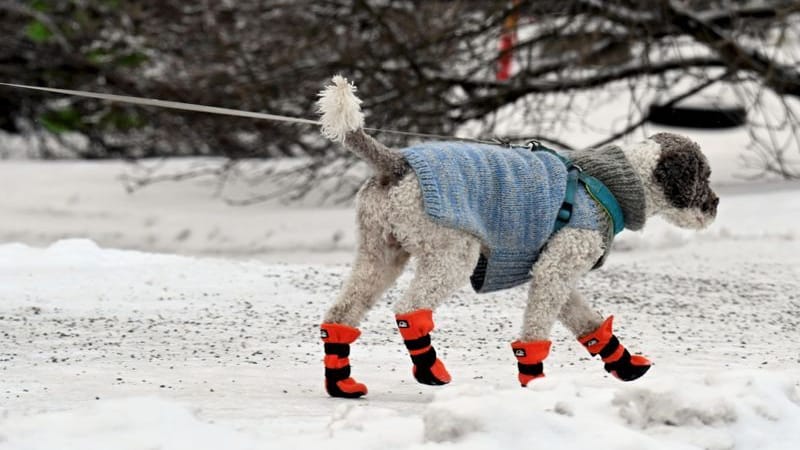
{"x": 434, "y": 375}
{"x": 340, "y": 109}
{"x": 629, "y": 368}
{"x": 347, "y": 388}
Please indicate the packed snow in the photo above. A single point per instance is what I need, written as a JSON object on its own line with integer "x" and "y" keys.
{"x": 168, "y": 319}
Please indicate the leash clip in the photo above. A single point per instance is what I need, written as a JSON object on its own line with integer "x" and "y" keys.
{"x": 534, "y": 145}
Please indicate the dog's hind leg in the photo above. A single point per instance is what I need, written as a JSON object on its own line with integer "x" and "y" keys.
{"x": 375, "y": 269}
{"x": 577, "y": 316}
{"x": 440, "y": 270}
{"x": 373, "y": 272}
{"x": 379, "y": 261}
{"x": 597, "y": 336}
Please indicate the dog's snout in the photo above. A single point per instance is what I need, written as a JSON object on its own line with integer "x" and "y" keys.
{"x": 710, "y": 205}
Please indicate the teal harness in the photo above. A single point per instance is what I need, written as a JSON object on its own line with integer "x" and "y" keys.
{"x": 594, "y": 187}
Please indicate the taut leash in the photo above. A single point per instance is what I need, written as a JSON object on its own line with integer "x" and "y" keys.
{"x": 142, "y": 101}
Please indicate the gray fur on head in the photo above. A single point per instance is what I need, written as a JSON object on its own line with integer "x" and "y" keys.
{"x": 610, "y": 166}
{"x": 671, "y": 142}
{"x": 682, "y": 172}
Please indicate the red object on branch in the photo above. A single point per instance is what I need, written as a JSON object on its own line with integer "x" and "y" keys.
{"x": 507, "y": 41}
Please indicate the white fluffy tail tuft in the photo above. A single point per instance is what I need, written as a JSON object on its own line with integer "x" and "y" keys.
{"x": 340, "y": 109}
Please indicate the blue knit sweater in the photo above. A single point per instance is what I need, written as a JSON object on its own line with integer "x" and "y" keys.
{"x": 507, "y": 197}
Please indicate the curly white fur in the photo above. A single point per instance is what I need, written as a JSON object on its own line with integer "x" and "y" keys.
{"x": 393, "y": 226}
{"x": 340, "y": 109}
{"x": 568, "y": 256}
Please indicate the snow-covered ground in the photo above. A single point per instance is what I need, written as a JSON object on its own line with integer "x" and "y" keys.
{"x": 202, "y": 334}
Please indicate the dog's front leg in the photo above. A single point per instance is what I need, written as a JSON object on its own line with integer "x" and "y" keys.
{"x": 597, "y": 336}
{"x": 566, "y": 257}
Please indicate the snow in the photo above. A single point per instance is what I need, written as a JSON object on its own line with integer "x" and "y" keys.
{"x": 553, "y": 414}
{"x": 168, "y": 319}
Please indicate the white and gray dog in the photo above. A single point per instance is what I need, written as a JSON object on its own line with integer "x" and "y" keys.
{"x": 498, "y": 217}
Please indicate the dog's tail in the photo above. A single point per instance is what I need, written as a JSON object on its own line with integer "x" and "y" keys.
{"x": 343, "y": 121}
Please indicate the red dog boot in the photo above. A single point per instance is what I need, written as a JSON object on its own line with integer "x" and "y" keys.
{"x": 619, "y": 362}
{"x": 529, "y": 359}
{"x": 415, "y": 327}
{"x": 337, "y": 339}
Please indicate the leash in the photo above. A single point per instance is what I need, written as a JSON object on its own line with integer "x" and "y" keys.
{"x": 143, "y": 101}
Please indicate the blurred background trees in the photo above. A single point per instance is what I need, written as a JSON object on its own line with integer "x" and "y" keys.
{"x": 432, "y": 67}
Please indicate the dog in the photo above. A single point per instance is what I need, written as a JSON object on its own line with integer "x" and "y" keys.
{"x": 498, "y": 217}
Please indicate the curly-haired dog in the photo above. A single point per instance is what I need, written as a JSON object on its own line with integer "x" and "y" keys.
{"x": 499, "y": 217}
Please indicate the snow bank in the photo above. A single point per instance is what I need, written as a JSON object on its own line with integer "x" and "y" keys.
{"x": 44, "y": 202}
{"x": 737, "y": 411}
{"x": 728, "y": 411}
{"x": 76, "y": 274}
{"x": 134, "y": 423}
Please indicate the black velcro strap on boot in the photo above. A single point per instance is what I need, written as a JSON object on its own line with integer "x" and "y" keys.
{"x": 624, "y": 369}
{"x": 337, "y": 374}
{"x": 609, "y": 348}
{"x": 424, "y": 360}
{"x": 531, "y": 369}
{"x": 340, "y": 350}
{"x": 621, "y": 363}
{"x": 419, "y": 343}
{"x": 422, "y": 368}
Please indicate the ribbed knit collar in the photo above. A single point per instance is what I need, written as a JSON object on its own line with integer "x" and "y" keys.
{"x": 610, "y": 166}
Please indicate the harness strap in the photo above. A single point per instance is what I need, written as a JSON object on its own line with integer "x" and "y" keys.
{"x": 603, "y": 196}
{"x": 565, "y": 213}
{"x": 596, "y": 189}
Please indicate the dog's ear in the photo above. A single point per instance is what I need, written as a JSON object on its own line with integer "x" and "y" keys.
{"x": 682, "y": 171}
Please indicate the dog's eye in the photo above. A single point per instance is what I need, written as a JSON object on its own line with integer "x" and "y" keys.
{"x": 681, "y": 176}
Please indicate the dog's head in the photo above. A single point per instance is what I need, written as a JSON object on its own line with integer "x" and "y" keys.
{"x": 675, "y": 175}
